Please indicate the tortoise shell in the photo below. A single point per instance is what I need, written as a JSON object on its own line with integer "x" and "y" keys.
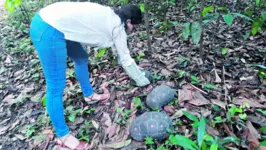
{"x": 151, "y": 124}
{"x": 160, "y": 96}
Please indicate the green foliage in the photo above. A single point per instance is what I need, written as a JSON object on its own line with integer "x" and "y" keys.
{"x": 224, "y": 51}
{"x": 186, "y": 31}
{"x": 101, "y": 53}
{"x": 30, "y": 130}
{"x": 217, "y": 119}
{"x": 207, "y": 10}
{"x": 192, "y": 118}
{"x": 183, "y": 141}
{"x": 149, "y": 141}
{"x": 256, "y": 25}
{"x": 140, "y": 56}
{"x": 72, "y": 114}
{"x": 209, "y": 86}
{"x": 142, "y": 7}
{"x": 201, "y": 131}
{"x": 228, "y": 19}
{"x": 125, "y": 112}
{"x": 12, "y": 4}
{"x": 194, "y": 80}
{"x": 44, "y": 101}
{"x": 155, "y": 76}
{"x": 84, "y": 131}
{"x": 196, "y": 29}
{"x": 89, "y": 111}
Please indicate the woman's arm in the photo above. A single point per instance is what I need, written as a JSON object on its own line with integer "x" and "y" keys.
{"x": 127, "y": 62}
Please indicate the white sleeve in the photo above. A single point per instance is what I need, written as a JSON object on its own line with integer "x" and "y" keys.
{"x": 127, "y": 62}
{"x": 120, "y": 42}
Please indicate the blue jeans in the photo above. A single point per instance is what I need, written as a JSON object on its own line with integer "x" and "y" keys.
{"x": 53, "y": 49}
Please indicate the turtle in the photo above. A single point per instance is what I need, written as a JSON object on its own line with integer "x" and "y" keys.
{"x": 151, "y": 124}
{"x": 160, "y": 96}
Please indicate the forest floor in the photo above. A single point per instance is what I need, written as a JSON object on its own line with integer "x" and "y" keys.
{"x": 224, "y": 88}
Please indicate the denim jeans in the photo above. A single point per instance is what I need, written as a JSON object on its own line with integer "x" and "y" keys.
{"x": 53, "y": 49}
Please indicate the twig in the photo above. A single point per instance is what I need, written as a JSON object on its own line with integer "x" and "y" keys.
{"x": 223, "y": 82}
{"x": 202, "y": 33}
{"x": 198, "y": 89}
{"x": 47, "y": 143}
{"x": 147, "y": 25}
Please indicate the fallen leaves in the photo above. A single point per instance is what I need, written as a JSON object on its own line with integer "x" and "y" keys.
{"x": 253, "y": 135}
{"x": 251, "y": 102}
{"x": 192, "y": 96}
{"x": 116, "y": 145}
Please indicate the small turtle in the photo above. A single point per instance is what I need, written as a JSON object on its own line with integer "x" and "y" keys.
{"x": 160, "y": 96}
{"x": 151, "y": 124}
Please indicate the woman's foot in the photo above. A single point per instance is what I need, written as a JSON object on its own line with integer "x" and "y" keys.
{"x": 94, "y": 98}
{"x": 73, "y": 143}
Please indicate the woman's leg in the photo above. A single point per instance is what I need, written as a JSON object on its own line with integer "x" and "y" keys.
{"x": 51, "y": 48}
{"x": 80, "y": 57}
{"x": 53, "y": 56}
{"x": 52, "y": 51}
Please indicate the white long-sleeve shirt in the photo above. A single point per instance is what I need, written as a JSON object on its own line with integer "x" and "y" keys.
{"x": 89, "y": 23}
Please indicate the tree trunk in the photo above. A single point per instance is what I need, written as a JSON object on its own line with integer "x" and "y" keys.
{"x": 202, "y": 33}
{"x": 147, "y": 25}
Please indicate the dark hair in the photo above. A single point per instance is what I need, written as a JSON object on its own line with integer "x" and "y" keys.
{"x": 131, "y": 12}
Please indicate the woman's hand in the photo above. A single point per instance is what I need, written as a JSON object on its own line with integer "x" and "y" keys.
{"x": 136, "y": 74}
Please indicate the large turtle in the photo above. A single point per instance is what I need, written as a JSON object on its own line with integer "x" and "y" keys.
{"x": 151, "y": 124}
{"x": 160, "y": 96}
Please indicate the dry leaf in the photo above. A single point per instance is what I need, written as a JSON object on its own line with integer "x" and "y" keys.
{"x": 113, "y": 130}
{"x": 118, "y": 145}
{"x": 49, "y": 133}
{"x": 3, "y": 129}
{"x": 251, "y": 102}
{"x": 8, "y": 60}
{"x": 108, "y": 122}
{"x": 257, "y": 119}
{"x": 217, "y": 78}
{"x": 19, "y": 136}
{"x": 134, "y": 145}
{"x": 10, "y": 99}
{"x": 219, "y": 103}
{"x": 179, "y": 113}
{"x": 14, "y": 125}
{"x": 169, "y": 109}
{"x": 212, "y": 131}
{"x": 95, "y": 124}
{"x": 193, "y": 96}
{"x": 253, "y": 135}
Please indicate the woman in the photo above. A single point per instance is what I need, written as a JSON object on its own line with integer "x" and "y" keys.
{"x": 58, "y": 31}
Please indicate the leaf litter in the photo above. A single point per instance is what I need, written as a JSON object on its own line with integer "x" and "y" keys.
{"x": 17, "y": 77}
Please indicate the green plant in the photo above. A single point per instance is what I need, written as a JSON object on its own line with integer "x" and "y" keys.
{"x": 30, "y": 130}
{"x": 90, "y": 111}
{"x": 149, "y": 141}
{"x": 240, "y": 110}
{"x": 84, "y": 132}
{"x": 72, "y": 113}
{"x": 194, "y": 80}
{"x": 218, "y": 119}
{"x": 12, "y": 4}
{"x": 193, "y": 118}
{"x": 125, "y": 113}
{"x": 140, "y": 56}
{"x": 156, "y": 76}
